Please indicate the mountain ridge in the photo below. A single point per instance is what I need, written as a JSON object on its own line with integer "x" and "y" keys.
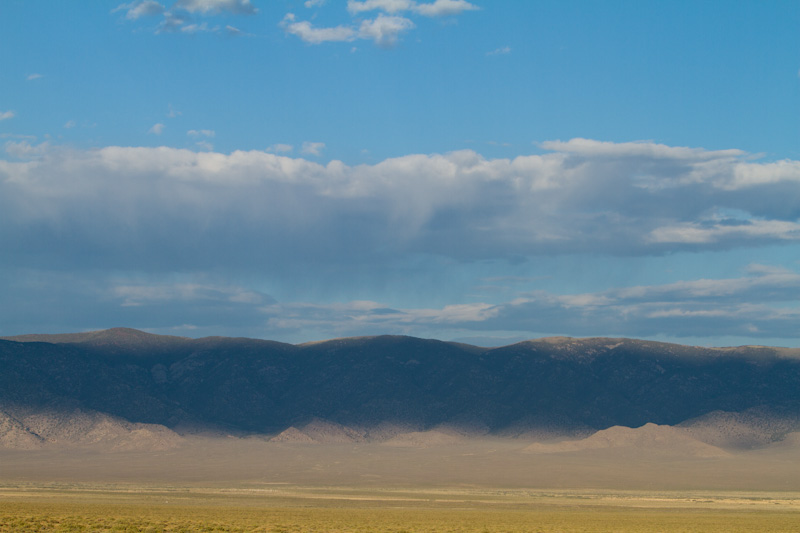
{"x": 551, "y": 386}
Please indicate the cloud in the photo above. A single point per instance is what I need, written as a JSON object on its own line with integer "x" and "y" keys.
{"x": 201, "y": 133}
{"x": 31, "y": 77}
{"x": 762, "y": 304}
{"x": 441, "y": 8}
{"x": 384, "y": 30}
{"x": 237, "y": 7}
{"x": 312, "y": 148}
{"x": 69, "y": 124}
{"x": 157, "y": 129}
{"x": 5, "y": 115}
{"x": 312, "y": 35}
{"x": 314, "y": 3}
{"x": 499, "y": 51}
{"x": 280, "y": 148}
{"x": 754, "y": 306}
{"x": 232, "y": 31}
{"x": 389, "y": 6}
{"x": 170, "y": 209}
{"x": 181, "y": 17}
{"x": 438, "y": 8}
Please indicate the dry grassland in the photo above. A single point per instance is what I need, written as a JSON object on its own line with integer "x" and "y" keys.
{"x": 304, "y": 509}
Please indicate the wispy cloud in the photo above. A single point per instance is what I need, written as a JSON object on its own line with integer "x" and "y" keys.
{"x": 201, "y": 133}
{"x": 238, "y": 7}
{"x": 182, "y": 16}
{"x": 5, "y": 115}
{"x": 157, "y": 129}
{"x": 31, "y": 77}
{"x": 312, "y": 148}
{"x": 499, "y": 51}
{"x": 280, "y": 148}
{"x": 439, "y": 8}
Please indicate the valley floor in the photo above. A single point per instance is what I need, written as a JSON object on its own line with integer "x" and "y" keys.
{"x": 286, "y": 508}
{"x": 485, "y": 485}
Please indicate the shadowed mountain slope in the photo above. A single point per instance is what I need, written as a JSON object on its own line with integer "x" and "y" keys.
{"x": 262, "y": 386}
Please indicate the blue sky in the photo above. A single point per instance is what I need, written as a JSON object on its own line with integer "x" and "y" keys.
{"x": 480, "y": 171}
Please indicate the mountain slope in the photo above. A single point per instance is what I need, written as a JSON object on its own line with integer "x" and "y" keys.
{"x": 547, "y": 386}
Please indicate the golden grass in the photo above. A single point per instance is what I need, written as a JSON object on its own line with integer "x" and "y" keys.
{"x": 117, "y": 508}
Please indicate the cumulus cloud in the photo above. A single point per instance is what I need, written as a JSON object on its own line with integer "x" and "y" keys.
{"x": 166, "y": 208}
{"x": 313, "y": 35}
{"x": 5, "y": 115}
{"x": 385, "y": 29}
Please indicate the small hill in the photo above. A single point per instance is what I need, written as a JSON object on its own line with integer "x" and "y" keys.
{"x": 321, "y": 431}
{"x": 650, "y": 438}
{"x": 80, "y": 428}
{"x": 752, "y": 428}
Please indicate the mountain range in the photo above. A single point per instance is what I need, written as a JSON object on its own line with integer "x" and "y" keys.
{"x": 134, "y": 390}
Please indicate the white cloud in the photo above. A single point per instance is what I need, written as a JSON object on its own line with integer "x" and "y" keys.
{"x": 5, "y": 115}
{"x": 441, "y": 8}
{"x": 314, "y": 3}
{"x": 312, "y": 148}
{"x": 201, "y": 133}
{"x": 145, "y": 8}
{"x": 389, "y": 6}
{"x": 751, "y": 306}
{"x": 280, "y": 148}
{"x": 499, "y": 51}
{"x": 157, "y": 129}
{"x": 460, "y": 206}
{"x": 239, "y": 7}
{"x": 31, "y": 77}
{"x": 69, "y": 124}
{"x": 384, "y": 30}
{"x": 438, "y": 8}
{"x": 312, "y": 35}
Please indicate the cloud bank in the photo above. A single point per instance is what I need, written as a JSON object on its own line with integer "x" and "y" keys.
{"x": 144, "y": 232}
{"x": 583, "y": 196}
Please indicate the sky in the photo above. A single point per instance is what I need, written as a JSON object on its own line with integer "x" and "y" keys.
{"x": 480, "y": 171}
